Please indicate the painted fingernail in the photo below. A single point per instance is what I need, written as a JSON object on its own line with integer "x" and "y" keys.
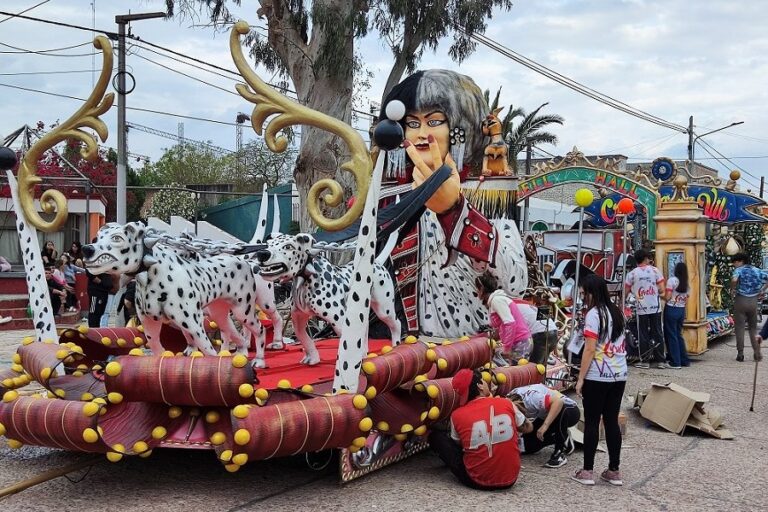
{"x": 431, "y": 138}
{"x": 406, "y": 143}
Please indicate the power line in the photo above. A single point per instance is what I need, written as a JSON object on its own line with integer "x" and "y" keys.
{"x": 748, "y": 182}
{"x": 25, "y": 10}
{"x": 48, "y": 53}
{"x": 111, "y": 34}
{"x": 572, "y": 84}
{"x": 706, "y": 145}
{"x": 23, "y": 73}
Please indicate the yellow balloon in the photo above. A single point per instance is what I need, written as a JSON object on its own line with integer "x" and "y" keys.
{"x": 584, "y": 197}
{"x": 90, "y": 435}
{"x": 242, "y": 437}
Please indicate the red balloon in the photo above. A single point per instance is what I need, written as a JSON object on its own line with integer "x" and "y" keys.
{"x": 625, "y": 206}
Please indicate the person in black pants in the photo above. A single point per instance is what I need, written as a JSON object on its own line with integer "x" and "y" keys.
{"x": 602, "y": 377}
{"x": 98, "y": 291}
{"x": 646, "y": 284}
{"x": 553, "y": 414}
{"x": 55, "y": 291}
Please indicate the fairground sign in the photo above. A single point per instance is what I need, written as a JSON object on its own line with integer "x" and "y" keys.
{"x": 598, "y": 178}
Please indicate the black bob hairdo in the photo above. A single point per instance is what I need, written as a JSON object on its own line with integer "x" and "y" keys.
{"x": 742, "y": 257}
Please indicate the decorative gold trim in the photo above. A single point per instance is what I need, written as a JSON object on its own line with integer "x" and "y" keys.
{"x": 576, "y": 158}
{"x": 86, "y": 117}
{"x": 289, "y": 113}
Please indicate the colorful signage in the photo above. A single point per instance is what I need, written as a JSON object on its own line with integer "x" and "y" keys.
{"x": 602, "y": 179}
{"x": 720, "y": 205}
{"x": 603, "y": 210}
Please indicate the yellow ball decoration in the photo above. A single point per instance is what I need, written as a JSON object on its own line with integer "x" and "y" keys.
{"x": 136, "y": 352}
{"x": 240, "y": 411}
{"x": 231, "y": 467}
{"x": 28, "y": 340}
{"x": 159, "y": 432}
{"x": 239, "y": 361}
{"x": 61, "y": 354}
{"x": 359, "y": 442}
{"x": 121, "y": 342}
{"x": 420, "y": 431}
{"x": 16, "y": 358}
{"x": 366, "y": 424}
{"x": 360, "y": 402}
{"x": 486, "y": 377}
{"x": 106, "y": 341}
{"x": 386, "y": 348}
{"x": 261, "y": 394}
{"x": 407, "y": 427}
{"x": 167, "y": 353}
{"x": 434, "y": 413}
{"x": 240, "y": 459}
{"x": 401, "y": 437}
{"x": 224, "y": 353}
{"x": 420, "y": 378}
{"x": 431, "y": 355}
{"x": 213, "y": 325}
{"x": 7, "y": 383}
{"x": 114, "y": 456}
{"x": 372, "y": 354}
{"x": 77, "y": 373}
{"x": 86, "y": 397}
{"x": 245, "y": 390}
{"x": 382, "y": 426}
{"x": 584, "y": 197}
{"x": 542, "y": 369}
{"x": 442, "y": 364}
{"x": 212, "y": 416}
{"x": 140, "y": 328}
{"x": 2, "y": 429}
{"x": 423, "y": 416}
{"x": 10, "y": 396}
{"x": 218, "y": 438}
{"x": 433, "y": 391}
{"x": 90, "y": 409}
{"x": 501, "y": 378}
{"x": 522, "y": 361}
{"x": 60, "y": 393}
{"x": 353, "y": 449}
{"x": 174, "y": 412}
{"x": 196, "y": 353}
{"x": 138, "y": 341}
{"x": 45, "y": 373}
{"x": 284, "y": 384}
{"x": 242, "y": 437}
{"x": 225, "y": 456}
{"x": 140, "y": 447}
{"x": 90, "y": 435}
{"x": 307, "y": 388}
{"x": 145, "y": 454}
{"x": 464, "y": 338}
{"x": 446, "y": 342}
{"x": 411, "y": 339}
{"x": 369, "y": 368}
{"x": 13, "y": 443}
{"x": 82, "y": 329}
{"x": 370, "y": 393}
{"x": 113, "y": 369}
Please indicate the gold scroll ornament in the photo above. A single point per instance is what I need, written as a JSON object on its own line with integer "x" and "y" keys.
{"x": 86, "y": 117}
{"x": 289, "y": 113}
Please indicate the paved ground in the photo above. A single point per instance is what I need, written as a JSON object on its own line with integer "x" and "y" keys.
{"x": 662, "y": 471}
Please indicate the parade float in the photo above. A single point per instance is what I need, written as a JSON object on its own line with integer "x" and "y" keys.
{"x": 167, "y": 384}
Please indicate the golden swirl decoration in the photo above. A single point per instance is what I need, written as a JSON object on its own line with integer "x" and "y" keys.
{"x": 87, "y": 117}
{"x": 289, "y": 113}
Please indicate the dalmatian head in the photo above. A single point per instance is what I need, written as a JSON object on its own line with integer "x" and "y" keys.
{"x": 118, "y": 249}
{"x": 285, "y": 256}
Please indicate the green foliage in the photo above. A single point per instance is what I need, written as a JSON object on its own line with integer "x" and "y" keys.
{"x": 753, "y": 237}
{"x": 715, "y": 257}
{"x": 165, "y": 203}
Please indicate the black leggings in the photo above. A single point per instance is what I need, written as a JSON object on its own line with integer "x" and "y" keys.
{"x": 556, "y": 434}
{"x": 602, "y": 399}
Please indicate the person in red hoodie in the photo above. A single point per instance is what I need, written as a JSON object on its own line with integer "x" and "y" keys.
{"x": 481, "y": 449}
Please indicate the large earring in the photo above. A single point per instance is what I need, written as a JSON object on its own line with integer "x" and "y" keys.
{"x": 458, "y": 146}
{"x": 396, "y": 164}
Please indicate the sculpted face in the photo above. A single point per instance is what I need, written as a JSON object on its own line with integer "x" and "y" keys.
{"x": 419, "y": 125}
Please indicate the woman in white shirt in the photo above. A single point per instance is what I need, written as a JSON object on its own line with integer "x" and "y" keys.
{"x": 602, "y": 378}
{"x": 674, "y": 315}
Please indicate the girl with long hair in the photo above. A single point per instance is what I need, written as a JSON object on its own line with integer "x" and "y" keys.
{"x": 602, "y": 378}
{"x": 678, "y": 291}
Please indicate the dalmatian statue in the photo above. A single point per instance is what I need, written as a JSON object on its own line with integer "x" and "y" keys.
{"x": 174, "y": 289}
{"x": 320, "y": 288}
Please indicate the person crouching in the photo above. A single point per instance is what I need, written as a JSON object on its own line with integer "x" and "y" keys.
{"x": 481, "y": 449}
{"x": 505, "y": 316}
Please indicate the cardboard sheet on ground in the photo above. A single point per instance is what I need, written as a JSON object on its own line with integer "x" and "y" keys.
{"x": 674, "y": 408}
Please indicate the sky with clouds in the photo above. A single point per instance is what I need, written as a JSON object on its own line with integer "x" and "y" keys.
{"x": 671, "y": 58}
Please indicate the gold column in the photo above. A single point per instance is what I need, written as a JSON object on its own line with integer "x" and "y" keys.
{"x": 681, "y": 230}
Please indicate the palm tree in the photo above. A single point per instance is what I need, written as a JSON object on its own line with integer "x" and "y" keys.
{"x": 529, "y": 129}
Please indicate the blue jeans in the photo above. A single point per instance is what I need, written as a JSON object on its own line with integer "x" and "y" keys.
{"x": 673, "y": 334}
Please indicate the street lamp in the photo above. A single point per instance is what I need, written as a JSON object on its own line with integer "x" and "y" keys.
{"x": 693, "y": 144}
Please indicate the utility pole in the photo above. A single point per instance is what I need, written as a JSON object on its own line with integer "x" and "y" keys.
{"x": 690, "y": 145}
{"x": 122, "y": 156}
{"x": 526, "y": 203}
